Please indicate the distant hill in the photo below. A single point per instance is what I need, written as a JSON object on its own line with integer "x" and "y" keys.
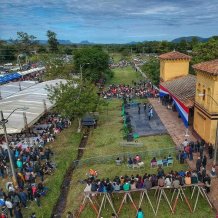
{"x": 189, "y": 39}
{"x": 86, "y": 42}
{"x": 62, "y": 42}
{"x": 132, "y": 43}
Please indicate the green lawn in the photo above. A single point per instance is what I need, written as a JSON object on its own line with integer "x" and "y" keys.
{"x": 125, "y": 76}
{"x": 104, "y": 141}
{"x": 118, "y": 57}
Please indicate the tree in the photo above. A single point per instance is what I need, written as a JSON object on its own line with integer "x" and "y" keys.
{"x": 7, "y": 52}
{"x": 98, "y": 63}
{"x": 152, "y": 70}
{"x": 205, "y": 51}
{"x": 25, "y": 42}
{"x": 56, "y": 66}
{"x": 74, "y": 99}
{"x": 52, "y": 41}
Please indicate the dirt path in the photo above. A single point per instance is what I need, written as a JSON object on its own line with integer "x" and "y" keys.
{"x": 59, "y": 207}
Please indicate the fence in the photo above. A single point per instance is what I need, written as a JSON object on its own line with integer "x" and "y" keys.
{"x": 124, "y": 156}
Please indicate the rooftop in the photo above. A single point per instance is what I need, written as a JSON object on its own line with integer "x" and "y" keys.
{"x": 174, "y": 55}
{"x": 208, "y": 66}
{"x": 183, "y": 89}
{"x": 32, "y": 98}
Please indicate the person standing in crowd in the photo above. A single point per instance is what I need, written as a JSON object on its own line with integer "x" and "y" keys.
{"x": 33, "y": 215}
{"x": 210, "y": 150}
{"x": 139, "y": 108}
{"x": 201, "y": 150}
{"x": 17, "y": 212}
{"x": 113, "y": 215}
{"x": 185, "y": 143}
{"x": 9, "y": 205}
{"x": 140, "y": 213}
{"x": 190, "y": 153}
{"x": 198, "y": 164}
{"x": 145, "y": 106}
{"x": 204, "y": 161}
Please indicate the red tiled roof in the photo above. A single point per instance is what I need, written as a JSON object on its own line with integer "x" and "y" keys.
{"x": 208, "y": 66}
{"x": 173, "y": 55}
{"x": 183, "y": 88}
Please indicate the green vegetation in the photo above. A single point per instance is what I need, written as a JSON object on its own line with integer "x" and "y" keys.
{"x": 206, "y": 51}
{"x": 105, "y": 141}
{"x": 74, "y": 99}
{"x": 52, "y": 41}
{"x": 93, "y": 63}
{"x": 152, "y": 69}
{"x": 125, "y": 76}
{"x": 118, "y": 56}
{"x": 65, "y": 150}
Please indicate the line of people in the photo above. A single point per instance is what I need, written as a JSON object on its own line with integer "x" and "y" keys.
{"x": 172, "y": 179}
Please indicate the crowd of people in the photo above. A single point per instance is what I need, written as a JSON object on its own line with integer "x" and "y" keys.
{"x": 120, "y": 64}
{"x": 173, "y": 179}
{"x": 187, "y": 149}
{"x": 141, "y": 89}
{"x": 32, "y": 160}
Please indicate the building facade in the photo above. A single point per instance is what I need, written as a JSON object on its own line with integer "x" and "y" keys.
{"x": 206, "y": 100}
{"x": 173, "y": 65}
{"x": 192, "y": 95}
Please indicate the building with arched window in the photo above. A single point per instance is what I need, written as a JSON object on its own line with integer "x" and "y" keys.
{"x": 206, "y": 100}
{"x": 194, "y": 97}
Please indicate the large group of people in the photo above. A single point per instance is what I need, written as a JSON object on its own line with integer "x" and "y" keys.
{"x": 141, "y": 89}
{"x": 173, "y": 179}
{"x": 187, "y": 149}
{"x": 31, "y": 157}
{"x": 120, "y": 64}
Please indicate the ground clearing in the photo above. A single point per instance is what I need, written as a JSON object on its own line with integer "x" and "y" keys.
{"x": 125, "y": 76}
{"x": 105, "y": 141}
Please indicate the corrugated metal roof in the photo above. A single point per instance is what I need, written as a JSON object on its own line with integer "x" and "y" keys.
{"x": 32, "y": 98}
{"x": 11, "y": 88}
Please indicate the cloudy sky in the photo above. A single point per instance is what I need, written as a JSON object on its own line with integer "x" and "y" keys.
{"x": 106, "y": 21}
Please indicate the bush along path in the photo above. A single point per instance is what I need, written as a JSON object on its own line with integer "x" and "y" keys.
{"x": 59, "y": 207}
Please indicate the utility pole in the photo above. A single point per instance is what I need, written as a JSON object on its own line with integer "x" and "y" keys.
{"x": 3, "y": 123}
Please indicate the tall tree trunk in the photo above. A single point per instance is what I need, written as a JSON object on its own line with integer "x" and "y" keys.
{"x": 79, "y": 125}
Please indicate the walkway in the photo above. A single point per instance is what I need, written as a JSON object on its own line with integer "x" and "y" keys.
{"x": 177, "y": 131}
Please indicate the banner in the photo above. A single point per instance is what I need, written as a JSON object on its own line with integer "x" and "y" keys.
{"x": 180, "y": 106}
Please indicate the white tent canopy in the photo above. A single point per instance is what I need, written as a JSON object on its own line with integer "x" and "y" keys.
{"x": 33, "y": 70}
{"x": 34, "y": 98}
{"x": 13, "y": 87}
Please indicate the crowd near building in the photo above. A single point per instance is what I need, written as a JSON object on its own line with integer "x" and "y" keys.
{"x": 194, "y": 97}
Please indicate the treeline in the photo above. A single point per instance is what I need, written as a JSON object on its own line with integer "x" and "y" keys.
{"x": 97, "y": 56}
{"x": 28, "y": 44}
{"x": 200, "y": 52}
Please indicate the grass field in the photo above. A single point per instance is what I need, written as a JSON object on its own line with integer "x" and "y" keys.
{"x": 104, "y": 141}
{"x": 118, "y": 56}
{"x": 125, "y": 76}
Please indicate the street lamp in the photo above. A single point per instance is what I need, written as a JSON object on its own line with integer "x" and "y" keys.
{"x": 3, "y": 122}
{"x": 81, "y": 69}
{"x": 216, "y": 140}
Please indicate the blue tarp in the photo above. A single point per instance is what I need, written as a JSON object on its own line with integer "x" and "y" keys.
{"x": 9, "y": 77}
